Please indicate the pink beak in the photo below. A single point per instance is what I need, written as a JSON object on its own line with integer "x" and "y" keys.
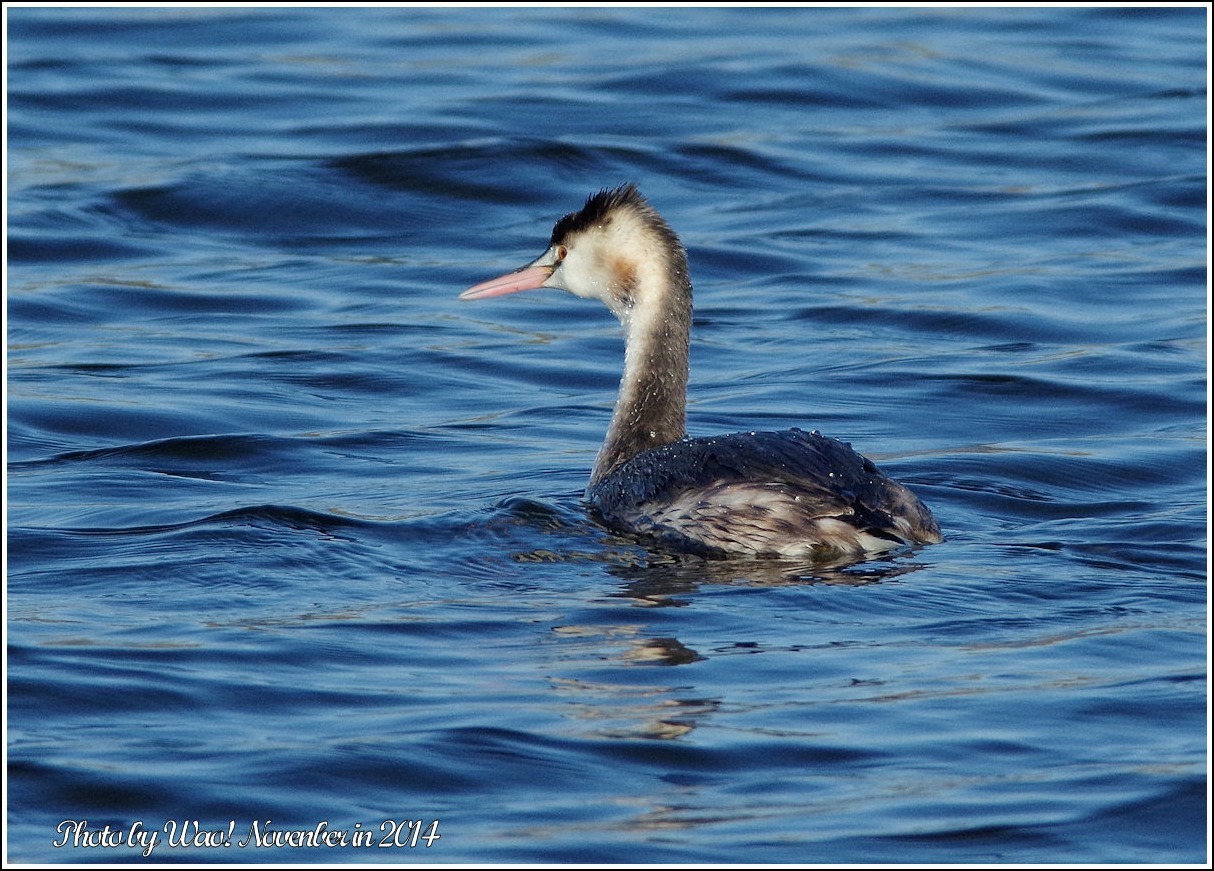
{"x": 527, "y": 278}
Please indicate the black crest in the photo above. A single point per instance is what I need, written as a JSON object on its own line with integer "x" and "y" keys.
{"x": 598, "y": 209}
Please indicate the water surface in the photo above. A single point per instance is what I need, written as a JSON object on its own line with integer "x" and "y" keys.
{"x": 295, "y": 537}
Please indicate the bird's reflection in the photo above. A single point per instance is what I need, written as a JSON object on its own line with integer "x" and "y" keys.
{"x": 602, "y": 677}
{"x": 658, "y": 579}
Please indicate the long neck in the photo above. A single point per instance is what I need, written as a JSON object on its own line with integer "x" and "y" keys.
{"x": 650, "y": 410}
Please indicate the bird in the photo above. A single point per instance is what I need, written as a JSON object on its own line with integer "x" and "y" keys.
{"x": 790, "y": 494}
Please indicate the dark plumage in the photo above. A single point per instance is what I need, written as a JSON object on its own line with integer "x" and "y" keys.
{"x": 790, "y": 493}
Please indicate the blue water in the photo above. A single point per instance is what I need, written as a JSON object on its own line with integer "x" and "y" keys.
{"x": 294, "y": 536}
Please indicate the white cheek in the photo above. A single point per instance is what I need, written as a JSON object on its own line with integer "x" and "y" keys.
{"x": 576, "y": 276}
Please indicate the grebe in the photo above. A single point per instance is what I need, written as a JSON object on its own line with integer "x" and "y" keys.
{"x": 789, "y": 494}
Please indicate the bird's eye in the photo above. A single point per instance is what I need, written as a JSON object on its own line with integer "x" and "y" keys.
{"x": 561, "y": 252}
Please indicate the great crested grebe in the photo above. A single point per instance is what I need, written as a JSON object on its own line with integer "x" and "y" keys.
{"x": 783, "y": 494}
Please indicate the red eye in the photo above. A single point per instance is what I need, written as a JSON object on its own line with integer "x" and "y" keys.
{"x": 561, "y": 252}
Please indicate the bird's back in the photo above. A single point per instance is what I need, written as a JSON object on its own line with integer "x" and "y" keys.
{"x": 788, "y": 494}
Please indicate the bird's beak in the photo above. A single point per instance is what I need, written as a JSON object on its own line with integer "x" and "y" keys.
{"x": 528, "y": 277}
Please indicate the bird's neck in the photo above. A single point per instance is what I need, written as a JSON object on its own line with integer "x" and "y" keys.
{"x": 651, "y": 408}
